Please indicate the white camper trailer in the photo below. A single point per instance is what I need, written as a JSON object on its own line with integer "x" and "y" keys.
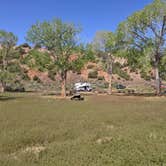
{"x": 82, "y": 86}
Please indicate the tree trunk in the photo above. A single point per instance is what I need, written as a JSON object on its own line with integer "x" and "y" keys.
{"x": 110, "y": 71}
{"x": 110, "y": 84}
{"x": 2, "y": 89}
{"x": 63, "y": 84}
{"x": 157, "y": 79}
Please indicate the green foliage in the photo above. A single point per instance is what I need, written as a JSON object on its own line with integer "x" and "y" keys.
{"x": 77, "y": 64}
{"x": 144, "y": 31}
{"x": 37, "y": 79}
{"x": 163, "y": 68}
{"x": 61, "y": 40}
{"x": 117, "y": 70}
{"x": 14, "y": 86}
{"x": 90, "y": 66}
{"x": 84, "y": 54}
{"x": 37, "y": 46}
{"x": 123, "y": 74}
{"x": 100, "y": 78}
{"x": 52, "y": 74}
{"x": 88, "y": 54}
{"x": 38, "y": 60}
{"x": 14, "y": 67}
{"x": 145, "y": 76}
{"x": 7, "y": 39}
{"x": 102, "y": 84}
{"x": 137, "y": 59}
{"x": 28, "y": 60}
{"x": 8, "y": 58}
{"x": 93, "y": 74}
{"x": 25, "y": 45}
{"x": 25, "y": 77}
{"x": 105, "y": 45}
{"x": 6, "y": 77}
{"x": 21, "y": 50}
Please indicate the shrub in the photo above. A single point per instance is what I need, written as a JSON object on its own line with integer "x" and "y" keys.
{"x": 14, "y": 67}
{"x": 117, "y": 70}
{"x": 101, "y": 78}
{"x": 37, "y": 59}
{"x": 25, "y": 76}
{"x": 90, "y": 66}
{"x": 103, "y": 84}
{"x": 124, "y": 75}
{"x": 15, "y": 86}
{"x": 106, "y": 85}
{"x": 37, "y": 46}
{"x": 93, "y": 74}
{"x": 132, "y": 70}
{"x": 118, "y": 65}
{"x": 37, "y": 79}
{"x": 26, "y": 45}
{"x": 51, "y": 75}
{"x": 21, "y": 50}
{"x": 145, "y": 76}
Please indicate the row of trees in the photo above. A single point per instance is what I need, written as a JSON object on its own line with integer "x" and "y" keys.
{"x": 140, "y": 39}
{"x": 60, "y": 39}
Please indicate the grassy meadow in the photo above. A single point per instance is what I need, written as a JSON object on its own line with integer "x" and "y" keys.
{"x": 100, "y": 131}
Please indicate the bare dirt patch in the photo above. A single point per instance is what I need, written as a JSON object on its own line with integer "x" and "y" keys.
{"x": 35, "y": 150}
{"x": 104, "y": 140}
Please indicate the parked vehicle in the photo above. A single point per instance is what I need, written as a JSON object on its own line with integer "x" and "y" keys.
{"x": 120, "y": 86}
{"x": 82, "y": 86}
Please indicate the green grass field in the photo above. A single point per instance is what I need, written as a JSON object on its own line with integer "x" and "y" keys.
{"x": 100, "y": 131}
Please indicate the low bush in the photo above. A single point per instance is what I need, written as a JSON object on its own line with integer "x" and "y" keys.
{"x": 51, "y": 75}
{"x": 117, "y": 70}
{"x": 25, "y": 45}
{"x": 90, "y": 66}
{"x": 145, "y": 76}
{"x": 124, "y": 75}
{"x": 100, "y": 78}
{"x": 14, "y": 67}
{"x": 93, "y": 74}
{"x": 103, "y": 84}
{"x": 25, "y": 77}
{"x": 15, "y": 86}
{"x": 37, "y": 79}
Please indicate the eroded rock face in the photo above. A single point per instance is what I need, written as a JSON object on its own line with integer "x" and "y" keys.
{"x": 42, "y": 75}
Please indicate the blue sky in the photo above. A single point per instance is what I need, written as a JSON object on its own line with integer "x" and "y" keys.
{"x": 93, "y": 15}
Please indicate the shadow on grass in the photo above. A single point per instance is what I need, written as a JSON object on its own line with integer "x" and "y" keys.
{"x": 140, "y": 94}
{"x": 6, "y": 98}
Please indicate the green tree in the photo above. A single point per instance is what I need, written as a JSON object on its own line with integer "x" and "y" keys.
{"x": 105, "y": 46}
{"x": 7, "y": 42}
{"x": 61, "y": 39}
{"x": 37, "y": 60}
{"x": 145, "y": 32}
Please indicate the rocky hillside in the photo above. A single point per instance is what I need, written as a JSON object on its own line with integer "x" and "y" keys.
{"x": 92, "y": 72}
